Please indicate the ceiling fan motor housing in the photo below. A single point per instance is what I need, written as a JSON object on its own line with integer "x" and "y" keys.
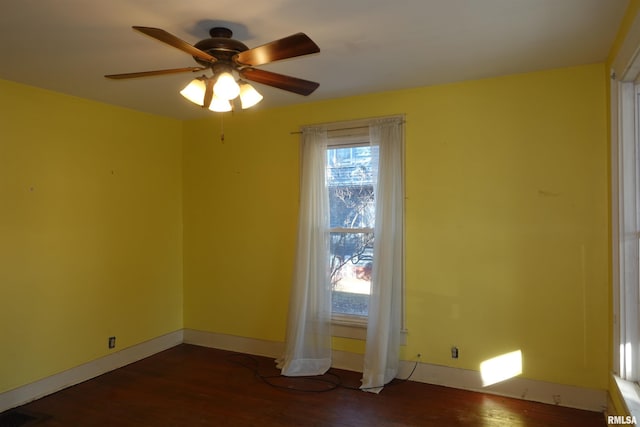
{"x": 220, "y": 45}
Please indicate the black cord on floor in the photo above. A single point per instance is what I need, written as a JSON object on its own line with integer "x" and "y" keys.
{"x": 394, "y": 381}
{"x": 320, "y": 383}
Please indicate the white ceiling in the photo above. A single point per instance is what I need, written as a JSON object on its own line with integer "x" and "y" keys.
{"x": 366, "y": 45}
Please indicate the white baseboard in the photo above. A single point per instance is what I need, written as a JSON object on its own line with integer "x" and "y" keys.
{"x": 274, "y": 349}
{"x": 520, "y": 388}
{"x": 234, "y": 343}
{"x": 517, "y": 387}
{"x": 27, "y": 393}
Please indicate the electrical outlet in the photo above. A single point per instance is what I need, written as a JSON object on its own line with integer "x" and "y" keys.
{"x": 112, "y": 342}
{"x": 454, "y": 352}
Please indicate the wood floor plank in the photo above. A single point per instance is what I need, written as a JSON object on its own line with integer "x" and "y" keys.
{"x": 197, "y": 386}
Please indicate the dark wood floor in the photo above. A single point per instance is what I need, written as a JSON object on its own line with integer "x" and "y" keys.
{"x": 196, "y": 386}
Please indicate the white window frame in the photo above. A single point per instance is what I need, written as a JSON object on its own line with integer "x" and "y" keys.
{"x": 627, "y": 309}
{"x": 625, "y": 217}
{"x": 625, "y": 242}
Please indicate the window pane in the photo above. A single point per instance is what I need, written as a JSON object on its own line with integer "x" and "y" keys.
{"x": 351, "y": 175}
{"x": 352, "y": 206}
{"x": 351, "y": 263}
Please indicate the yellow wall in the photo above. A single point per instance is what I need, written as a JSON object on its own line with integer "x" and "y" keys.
{"x": 90, "y": 230}
{"x": 506, "y": 215}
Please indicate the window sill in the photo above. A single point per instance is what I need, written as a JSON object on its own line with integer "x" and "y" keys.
{"x": 630, "y": 393}
{"x": 355, "y": 327}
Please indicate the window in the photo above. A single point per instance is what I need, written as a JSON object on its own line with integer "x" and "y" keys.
{"x": 627, "y": 223}
{"x": 351, "y": 174}
{"x": 625, "y": 217}
{"x": 350, "y": 235}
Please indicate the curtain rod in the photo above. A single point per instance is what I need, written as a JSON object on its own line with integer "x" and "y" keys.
{"x": 333, "y": 130}
{"x": 339, "y": 129}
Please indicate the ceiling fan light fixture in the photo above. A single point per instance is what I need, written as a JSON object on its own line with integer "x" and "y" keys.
{"x": 194, "y": 91}
{"x": 249, "y": 96}
{"x": 226, "y": 58}
{"x": 219, "y": 105}
{"x": 226, "y": 87}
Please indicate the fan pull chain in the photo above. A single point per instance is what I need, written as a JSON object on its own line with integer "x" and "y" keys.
{"x": 222, "y": 128}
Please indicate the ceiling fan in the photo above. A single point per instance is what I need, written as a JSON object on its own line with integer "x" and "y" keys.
{"x": 225, "y": 56}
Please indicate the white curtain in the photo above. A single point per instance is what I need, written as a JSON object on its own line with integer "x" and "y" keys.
{"x": 308, "y": 340}
{"x": 382, "y": 354}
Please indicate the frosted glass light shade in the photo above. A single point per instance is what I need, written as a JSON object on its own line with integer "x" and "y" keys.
{"x": 219, "y": 105}
{"x": 249, "y": 96}
{"x": 194, "y": 91}
{"x": 226, "y": 87}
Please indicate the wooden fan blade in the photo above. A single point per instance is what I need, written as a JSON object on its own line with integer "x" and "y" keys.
{"x": 208, "y": 94}
{"x": 289, "y": 47}
{"x": 154, "y": 73}
{"x": 174, "y": 41}
{"x": 291, "y": 84}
